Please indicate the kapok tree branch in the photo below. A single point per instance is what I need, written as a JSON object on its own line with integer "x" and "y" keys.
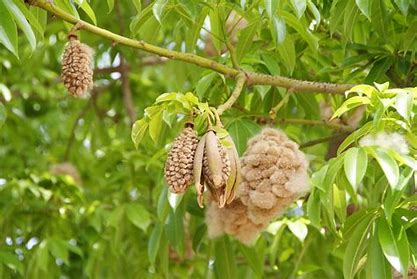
{"x": 252, "y": 77}
{"x": 240, "y": 82}
{"x": 312, "y": 122}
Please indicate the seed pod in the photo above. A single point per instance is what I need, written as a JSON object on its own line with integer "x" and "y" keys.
{"x": 77, "y": 67}
{"x": 179, "y": 164}
{"x": 212, "y": 168}
{"x": 234, "y": 179}
{"x": 198, "y": 170}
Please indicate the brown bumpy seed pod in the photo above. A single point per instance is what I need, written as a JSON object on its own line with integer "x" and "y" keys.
{"x": 179, "y": 165}
{"x": 77, "y": 67}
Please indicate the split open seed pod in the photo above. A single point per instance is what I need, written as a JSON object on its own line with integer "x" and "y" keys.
{"x": 217, "y": 167}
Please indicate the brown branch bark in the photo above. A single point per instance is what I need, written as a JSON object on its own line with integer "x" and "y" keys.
{"x": 127, "y": 92}
{"x": 252, "y": 77}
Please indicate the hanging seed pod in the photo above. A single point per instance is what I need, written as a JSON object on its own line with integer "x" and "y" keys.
{"x": 212, "y": 168}
{"x": 179, "y": 164}
{"x": 77, "y": 67}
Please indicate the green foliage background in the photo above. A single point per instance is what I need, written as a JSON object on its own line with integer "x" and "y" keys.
{"x": 121, "y": 222}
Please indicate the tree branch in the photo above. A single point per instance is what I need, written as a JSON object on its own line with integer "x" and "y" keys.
{"x": 240, "y": 82}
{"x": 318, "y": 141}
{"x": 124, "y": 72}
{"x": 330, "y": 124}
{"x": 252, "y": 77}
{"x": 127, "y": 92}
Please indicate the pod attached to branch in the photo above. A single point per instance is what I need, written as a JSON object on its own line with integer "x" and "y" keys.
{"x": 77, "y": 67}
{"x": 179, "y": 164}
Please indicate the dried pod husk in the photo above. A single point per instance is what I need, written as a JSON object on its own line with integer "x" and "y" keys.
{"x": 212, "y": 168}
{"x": 179, "y": 164}
{"x": 77, "y": 67}
{"x": 274, "y": 175}
{"x": 235, "y": 169}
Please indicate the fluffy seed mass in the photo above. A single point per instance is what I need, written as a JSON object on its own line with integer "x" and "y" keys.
{"x": 77, "y": 67}
{"x": 179, "y": 164}
{"x": 274, "y": 175}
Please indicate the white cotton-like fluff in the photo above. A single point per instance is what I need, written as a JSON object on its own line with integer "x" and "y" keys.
{"x": 393, "y": 141}
{"x": 274, "y": 175}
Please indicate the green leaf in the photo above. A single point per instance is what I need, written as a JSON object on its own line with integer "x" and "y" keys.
{"x": 377, "y": 266}
{"x": 388, "y": 165}
{"x": 155, "y": 125}
{"x": 394, "y": 244}
{"x": 241, "y": 130}
{"x": 174, "y": 200}
{"x": 194, "y": 33}
{"x": 356, "y": 246}
{"x": 379, "y": 69}
{"x": 138, "y": 131}
{"x": 299, "y": 7}
{"x": 356, "y": 135}
{"x": 245, "y": 38}
{"x": 403, "y": 5}
{"x": 216, "y": 29}
{"x": 271, "y": 7}
{"x": 315, "y": 11}
{"x": 253, "y": 258}
{"x": 8, "y": 30}
{"x": 364, "y": 7}
{"x": 379, "y": 17}
{"x": 110, "y": 3}
{"x": 116, "y": 216}
{"x": 204, "y": 83}
{"x": 350, "y": 104}
{"x": 224, "y": 263}
{"x": 198, "y": 236}
{"x": 11, "y": 260}
{"x": 363, "y": 89}
{"x": 21, "y": 22}
{"x": 350, "y": 17}
{"x": 279, "y": 30}
{"x": 87, "y": 9}
{"x": 163, "y": 206}
{"x": 393, "y": 196}
{"x": 404, "y": 104}
{"x": 34, "y": 22}
{"x": 314, "y": 208}
{"x": 271, "y": 63}
{"x": 175, "y": 229}
{"x": 158, "y": 9}
{"x": 59, "y": 249}
{"x": 2, "y": 114}
{"x": 356, "y": 162}
{"x": 299, "y": 229}
{"x": 137, "y": 4}
{"x": 153, "y": 244}
{"x": 138, "y": 215}
{"x": 287, "y": 52}
{"x": 302, "y": 30}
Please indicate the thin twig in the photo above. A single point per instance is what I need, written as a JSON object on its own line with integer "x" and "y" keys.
{"x": 127, "y": 92}
{"x": 252, "y": 77}
{"x": 312, "y": 122}
{"x": 273, "y": 112}
{"x": 240, "y": 82}
{"x": 326, "y": 139}
{"x": 124, "y": 72}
